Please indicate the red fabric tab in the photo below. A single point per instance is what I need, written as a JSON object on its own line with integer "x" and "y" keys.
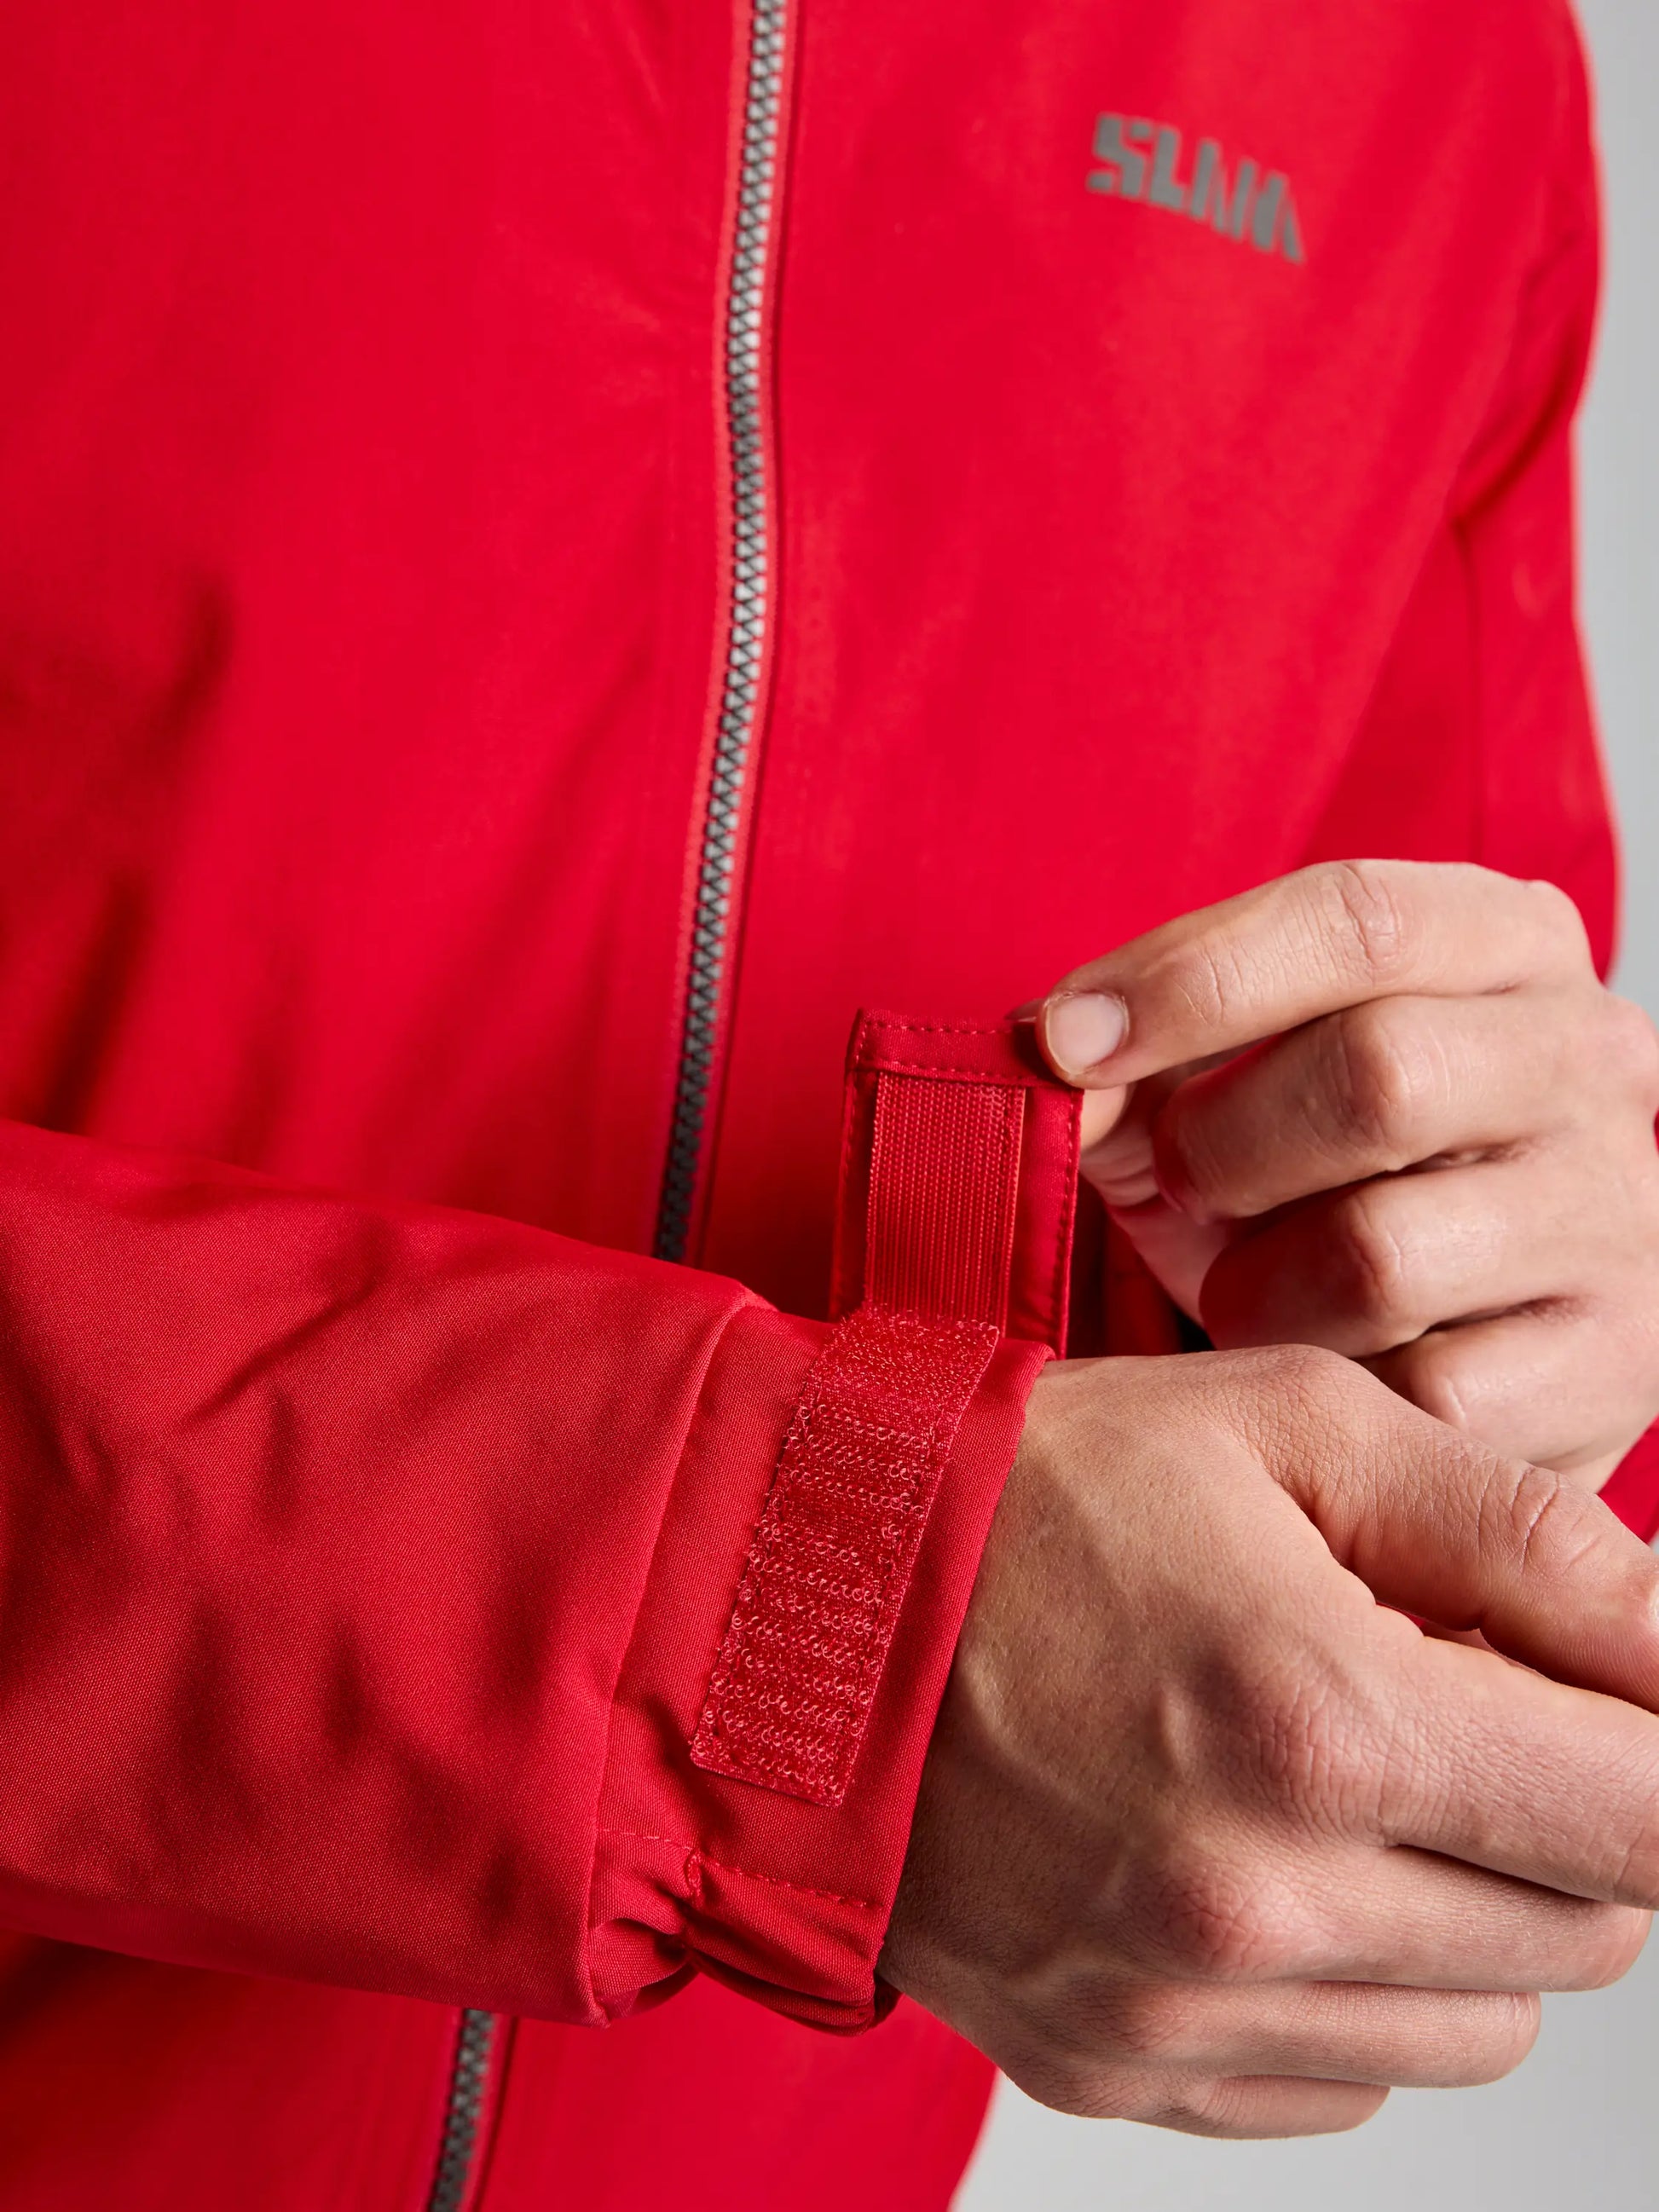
{"x": 940, "y": 1218}
{"x": 832, "y": 1555}
{"x": 959, "y": 1180}
{"x": 916, "y": 1103}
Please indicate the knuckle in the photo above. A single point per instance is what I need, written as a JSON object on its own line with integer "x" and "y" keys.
{"x": 1618, "y": 1937}
{"x": 1552, "y": 1531}
{"x": 1233, "y": 2109}
{"x": 1367, "y": 903}
{"x": 1487, "y": 2037}
{"x": 1545, "y": 1522}
{"x": 1436, "y": 1377}
{"x": 1514, "y": 2033}
{"x": 1151, "y": 2025}
{"x": 1374, "y": 1258}
{"x": 1218, "y": 2109}
{"x": 1636, "y": 1879}
{"x": 1219, "y": 1924}
{"x": 1641, "y": 1608}
{"x": 1310, "y": 1376}
{"x": 1172, "y": 2103}
{"x": 1562, "y": 923}
{"x": 1214, "y": 985}
{"x": 1059, "y": 2085}
{"x": 1629, "y": 1046}
{"x": 1086, "y": 2092}
{"x": 1290, "y": 1399}
{"x": 1385, "y": 1076}
{"x": 1318, "y": 1749}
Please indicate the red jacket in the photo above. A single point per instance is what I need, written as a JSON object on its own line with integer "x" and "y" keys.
{"x": 547, "y": 554}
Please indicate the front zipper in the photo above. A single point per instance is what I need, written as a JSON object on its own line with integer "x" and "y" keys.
{"x": 747, "y": 623}
{"x": 469, "y": 2078}
{"x": 747, "y": 617}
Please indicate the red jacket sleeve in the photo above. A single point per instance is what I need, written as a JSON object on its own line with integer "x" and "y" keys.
{"x": 1481, "y": 741}
{"x": 361, "y": 1567}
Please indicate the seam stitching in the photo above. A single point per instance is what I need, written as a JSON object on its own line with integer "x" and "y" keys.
{"x": 933, "y": 1028}
{"x": 1000, "y": 1078}
{"x": 1068, "y": 1208}
{"x": 696, "y": 1858}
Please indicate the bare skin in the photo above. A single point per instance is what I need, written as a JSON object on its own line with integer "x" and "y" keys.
{"x": 1428, "y": 1142}
{"x": 1210, "y": 1834}
{"x": 1207, "y": 1836}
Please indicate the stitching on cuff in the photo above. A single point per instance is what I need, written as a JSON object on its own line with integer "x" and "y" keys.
{"x": 695, "y": 1858}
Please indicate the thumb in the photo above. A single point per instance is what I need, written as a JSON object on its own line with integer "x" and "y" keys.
{"x": 1440, "y": 1526}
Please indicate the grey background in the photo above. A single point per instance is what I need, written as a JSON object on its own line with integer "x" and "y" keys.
{"x": 1580, "y": 2121}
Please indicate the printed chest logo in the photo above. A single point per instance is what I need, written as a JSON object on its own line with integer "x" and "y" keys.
{"x": 1142, "y": 160}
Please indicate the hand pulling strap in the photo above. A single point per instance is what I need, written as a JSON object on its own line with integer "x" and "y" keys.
{"x": 958, "y": 1181}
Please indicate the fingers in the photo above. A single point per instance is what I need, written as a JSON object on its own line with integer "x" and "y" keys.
{"x": 1408, "y": 1918}
{"x": 1445, "y": 1530}
{"x": 1508, "y": 1770}
{"x": 1272, "y": 2060}
{"x": 1569, "y": 1387}
{"x": 1393, "y": 1081}
{"x": 1267, "y": 2110}
{"x": 1376, "y": 1088}
{"x": 1402, "y": 2038}
{"x": 1232, "y": 2108}
{"x": 1303, "y": 947}
{"x": 1365, "y": 1270}
{"x": 1321, "y": 1887}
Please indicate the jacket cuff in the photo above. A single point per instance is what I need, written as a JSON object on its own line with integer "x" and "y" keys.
{"x": 797, "y": 1628}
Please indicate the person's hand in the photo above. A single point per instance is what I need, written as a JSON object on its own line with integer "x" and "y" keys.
{"x": 1207, "y": 1836}
{"x": 1404, "y": 1018}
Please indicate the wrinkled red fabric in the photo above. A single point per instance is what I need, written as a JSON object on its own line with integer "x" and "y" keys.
{"x": 371, "y": 1512}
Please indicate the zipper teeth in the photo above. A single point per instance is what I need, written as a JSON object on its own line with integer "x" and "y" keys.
{"x": 459, "y": 2144}
{"x": 747, "y": 616}
{"x": 746, "y": 633}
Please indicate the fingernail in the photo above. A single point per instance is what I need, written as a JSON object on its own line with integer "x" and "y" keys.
{"x": 1028, "y": 1012}
{"x": 1082, "y": 1031}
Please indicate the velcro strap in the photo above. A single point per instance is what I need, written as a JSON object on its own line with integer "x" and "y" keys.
{"x": 959, "y": 1180}
{"x": 791, "y": 1691}
{"x": 958, "y": 1177}
{"x": 939, "y": 1218}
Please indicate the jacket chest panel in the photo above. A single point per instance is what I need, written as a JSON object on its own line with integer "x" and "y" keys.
{"x": 1099, "y": 508}
{"x": 363, "y": 489}
{"x": 1080, "y": 485}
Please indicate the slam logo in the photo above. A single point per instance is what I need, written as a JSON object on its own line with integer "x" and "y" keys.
{"x": 1142, "y": 160}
